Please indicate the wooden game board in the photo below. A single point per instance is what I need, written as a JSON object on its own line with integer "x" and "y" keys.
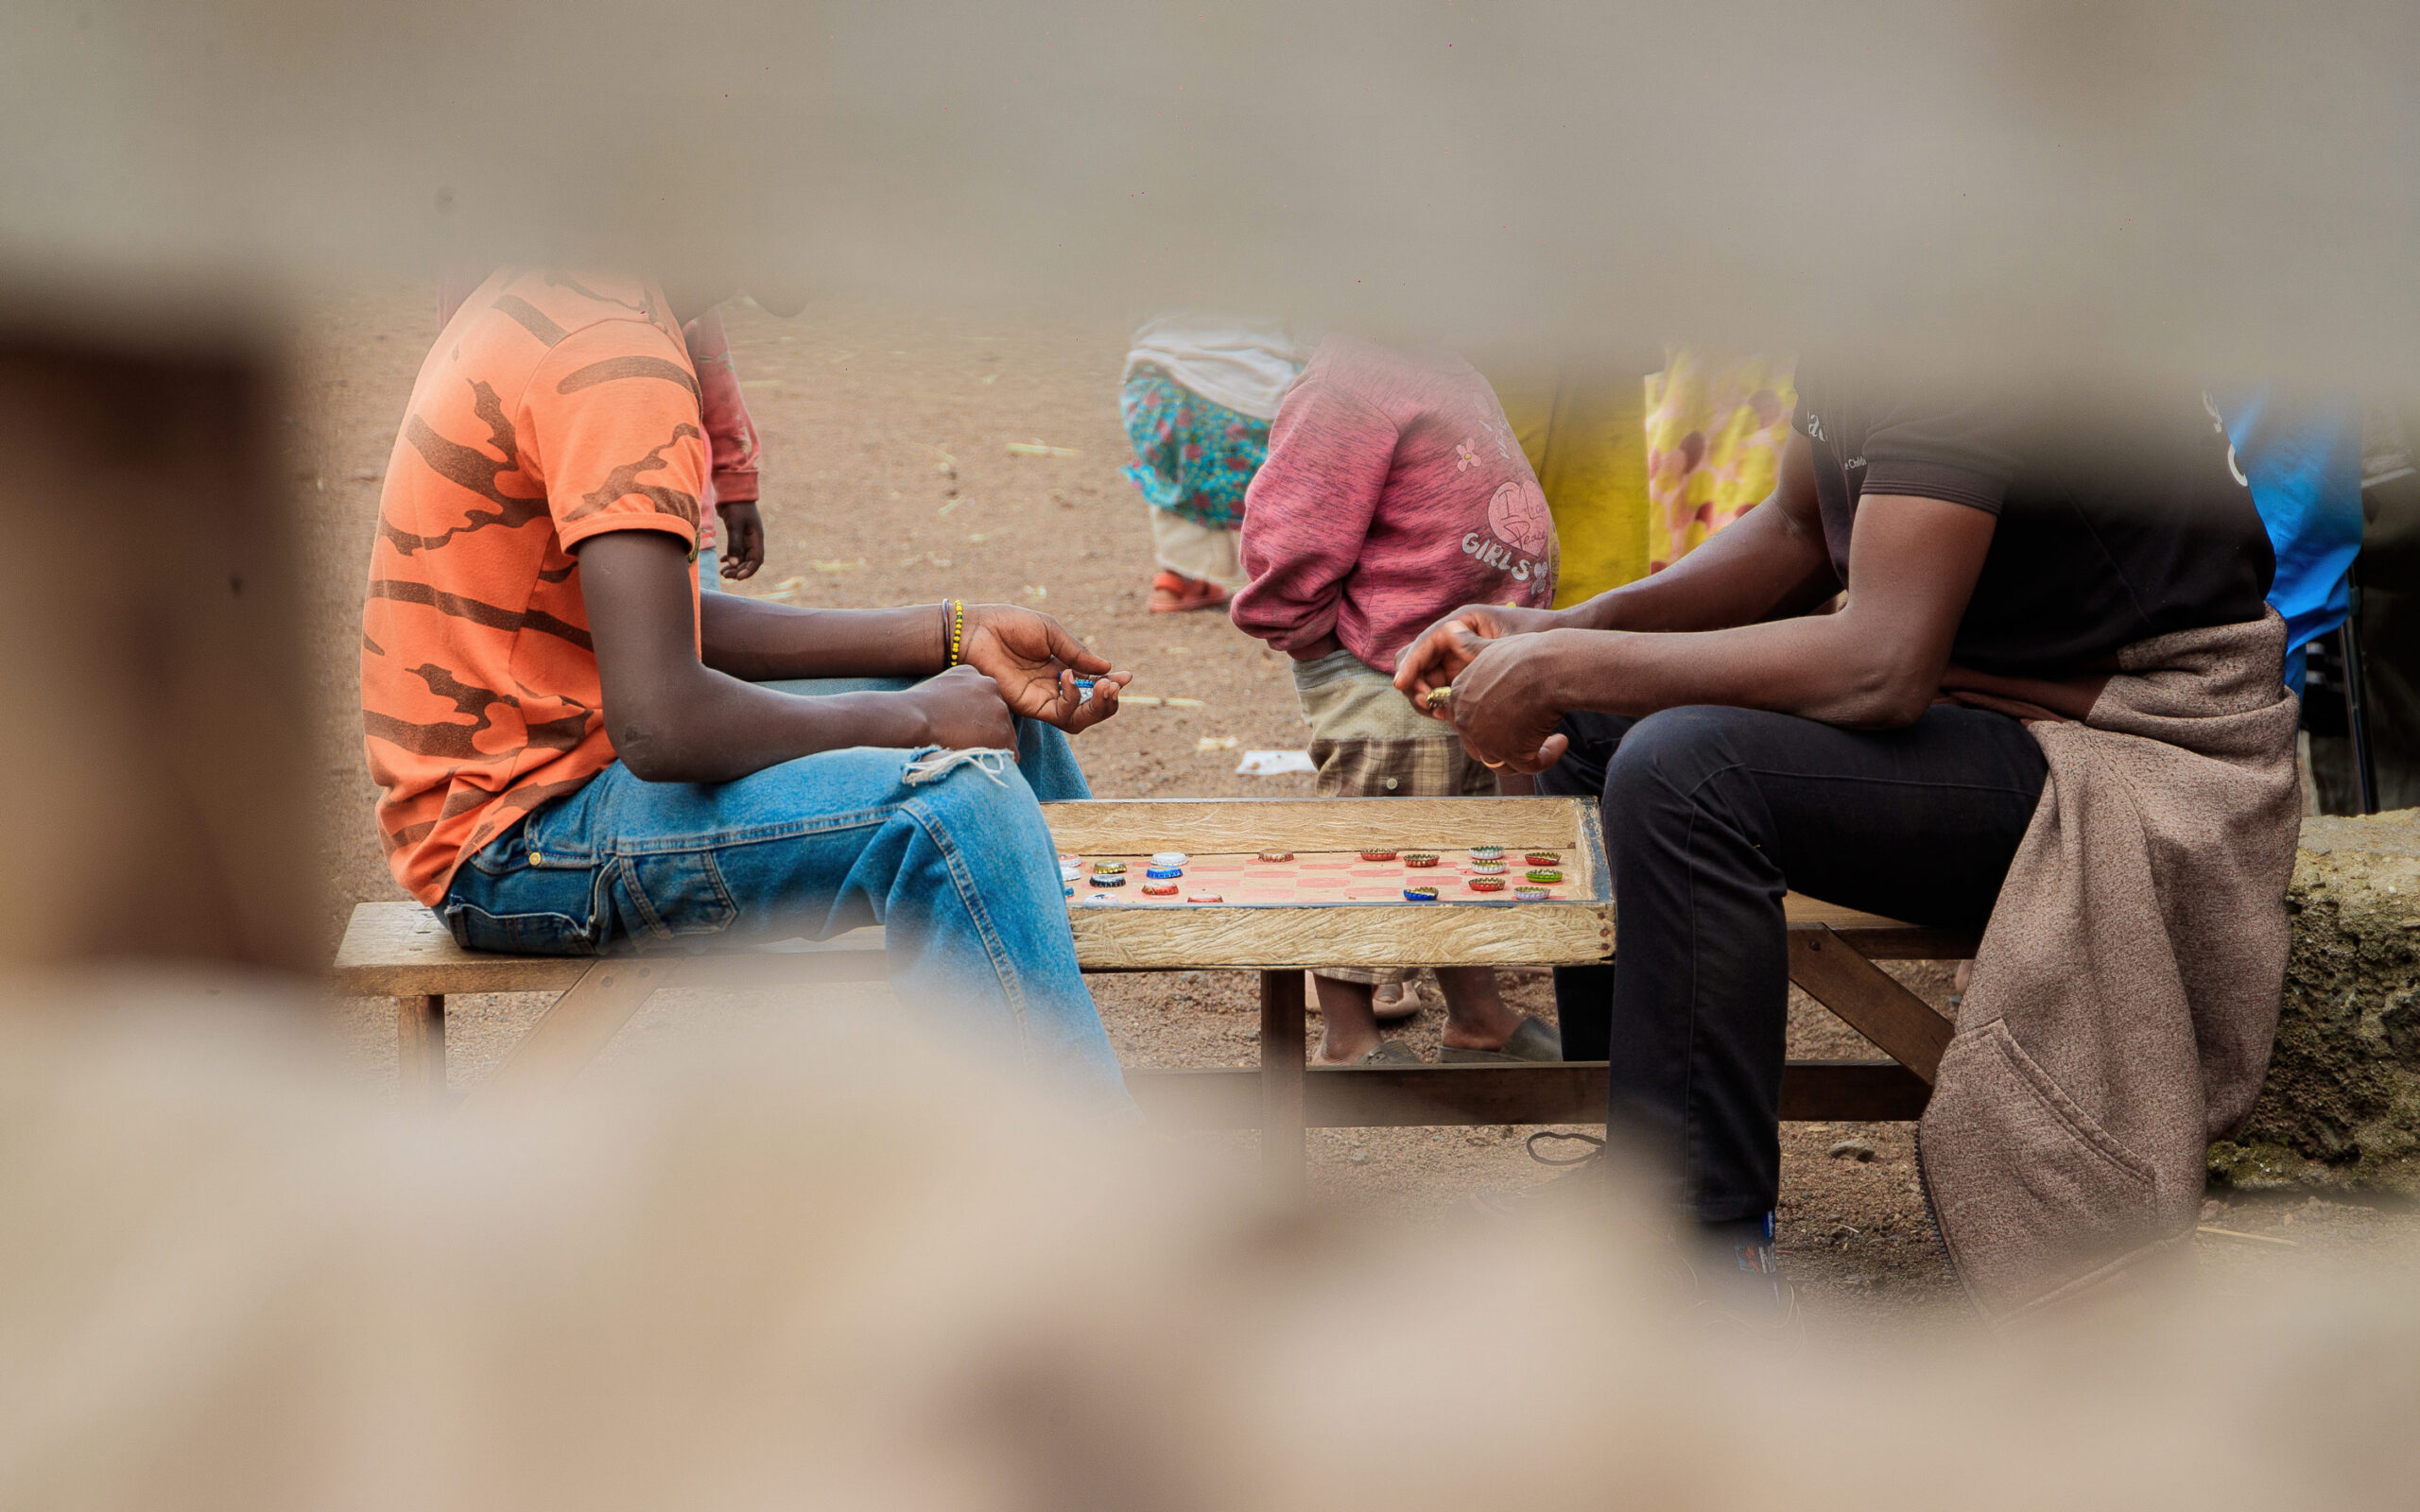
{"x": 1315, "y": 879}
{"x": 1327, "y": 906}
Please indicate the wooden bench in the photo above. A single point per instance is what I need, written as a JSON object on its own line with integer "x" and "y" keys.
{"x": 399, "y": 951}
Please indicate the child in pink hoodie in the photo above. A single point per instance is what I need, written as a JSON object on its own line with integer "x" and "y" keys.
{"x": 1395, "y": 492}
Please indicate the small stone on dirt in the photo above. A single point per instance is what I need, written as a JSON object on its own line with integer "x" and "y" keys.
{"x": 2213, "y": 1210}
{"x": 1359, "y": 1158}
{"x": 1852, "y": 1150}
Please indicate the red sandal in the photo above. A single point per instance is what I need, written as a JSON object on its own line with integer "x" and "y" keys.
{"x": 1173, "y": 593}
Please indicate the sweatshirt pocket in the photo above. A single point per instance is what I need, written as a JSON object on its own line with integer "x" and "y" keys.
{"x": 2030, "y": 1190}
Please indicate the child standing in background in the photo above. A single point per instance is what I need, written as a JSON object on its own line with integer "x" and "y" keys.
{"x": 730, "y": 534}
{"x": 1199, "y": 393}
{"x": 1393, "y": 493}
{"x": 738, "y": 549}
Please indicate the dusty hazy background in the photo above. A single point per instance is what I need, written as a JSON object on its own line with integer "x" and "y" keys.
{"x": 2101, "y": 185}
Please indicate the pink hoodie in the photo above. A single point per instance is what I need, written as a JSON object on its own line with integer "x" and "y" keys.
{"x": 1395, "y": 492}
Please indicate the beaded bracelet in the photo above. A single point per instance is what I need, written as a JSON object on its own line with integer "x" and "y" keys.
{"x": 956, "y": 608}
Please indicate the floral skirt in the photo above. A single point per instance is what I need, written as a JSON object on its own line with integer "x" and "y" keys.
{"x": 1192, "y": 458}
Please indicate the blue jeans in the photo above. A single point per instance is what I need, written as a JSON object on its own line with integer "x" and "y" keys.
{"x": 960, "y": 870}
{"x": 710, "y": 570}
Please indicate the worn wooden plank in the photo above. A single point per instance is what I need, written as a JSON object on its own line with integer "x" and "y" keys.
{"x": 420, "y": 1045}
{"x": 398, "y": 948}
{"x": 1879, "y": 938}
{"x": 1572, "y": 1093}
{"x": 1852, "y": 1091}
{"x": 1556, "y": 934}
{"x": 1283, "y": 1035}
{"x": 1869, "y": 999}
{"x": 1128, "y": 826}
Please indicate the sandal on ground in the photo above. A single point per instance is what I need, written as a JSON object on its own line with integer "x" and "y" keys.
{"x": 1174, "y": 594}
{"x": 1390, "y": 1052}
{"x": 1535, "y": 1041}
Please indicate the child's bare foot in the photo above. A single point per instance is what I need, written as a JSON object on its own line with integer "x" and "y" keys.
{"x": 1397, "y": 1001}
{"x": 1173, "y": 593}
{"x": 1347, "y": 1030}
{"x": 1476, "y": 1017}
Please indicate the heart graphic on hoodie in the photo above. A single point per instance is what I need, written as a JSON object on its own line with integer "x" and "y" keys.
{"x": 1520, "y": 520}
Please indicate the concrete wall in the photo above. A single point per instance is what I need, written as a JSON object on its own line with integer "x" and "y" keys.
{"x": 2342, "y": 1106}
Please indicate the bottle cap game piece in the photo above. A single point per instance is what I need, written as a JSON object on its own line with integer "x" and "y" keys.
{"x": 1543, "y": 858}
{"x": 1100, "y": 900}
{"x": 1487, "y": 868}
{"x": 1162, "y": 872}
{"x": 1068, "y": 858}
{"x": 1205, "y": 898}
{"x": 1107, "y": 879}
{"x": 1159, "y": 889}
{"x": 1377, "y": 855}
{"x": 1169, "y": 858}
{"x": 1277, "y": 855}
{"x": 1420, "y": 895}
{"x": 1419, "y": 858}
{"x": 1545, "y": 874}
{"x": 1532, "y": 895}
{"x": 1113, "y": 868}
{"x": 1067, "y": 887}
{"x": 1487, "y": 884}
{"x": 1487, "y": 853}
{"x": 1439, "y": 697}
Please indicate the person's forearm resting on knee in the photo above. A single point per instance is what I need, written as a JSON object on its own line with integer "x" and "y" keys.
{"x": 682, "y": 703}
{"x": 1729, "y": 624}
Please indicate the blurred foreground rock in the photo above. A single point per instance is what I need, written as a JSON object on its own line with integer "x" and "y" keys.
{"x": 2342, "y": 1107}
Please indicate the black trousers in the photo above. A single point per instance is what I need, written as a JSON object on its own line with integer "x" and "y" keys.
{"x": 1712, "y": 814}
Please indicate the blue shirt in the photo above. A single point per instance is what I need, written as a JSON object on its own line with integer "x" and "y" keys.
{"x": 2302, "y": 459}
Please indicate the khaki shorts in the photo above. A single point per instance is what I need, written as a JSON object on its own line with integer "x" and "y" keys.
{"x": 1369, "y": 742}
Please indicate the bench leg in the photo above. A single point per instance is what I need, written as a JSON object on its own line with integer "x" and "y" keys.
{"x": 1283, "y": 1035}
{"x": 420, "y": 1046}
{"x": 1869, "y": 1000}
{"x": 574, "y": 1030}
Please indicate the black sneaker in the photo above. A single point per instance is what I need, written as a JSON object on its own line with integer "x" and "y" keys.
{"x": 1738, "y": 1282}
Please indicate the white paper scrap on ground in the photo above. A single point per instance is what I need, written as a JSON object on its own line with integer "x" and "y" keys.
{"x": 1276, "y": 763}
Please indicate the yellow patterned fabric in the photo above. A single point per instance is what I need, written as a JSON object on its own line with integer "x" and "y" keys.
{"x": 1714, "y": 435}
{"x": 1587, "y": 441}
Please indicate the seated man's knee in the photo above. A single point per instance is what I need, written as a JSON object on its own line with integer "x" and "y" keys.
{"x": 982, "y": 807}
{"x": 1672, "y": 751}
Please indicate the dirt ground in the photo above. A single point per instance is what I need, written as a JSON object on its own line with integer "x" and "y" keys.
{"x": 888, "y": 480}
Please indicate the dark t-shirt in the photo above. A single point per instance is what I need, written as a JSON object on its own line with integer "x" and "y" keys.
{"x": 2113, "y": 526}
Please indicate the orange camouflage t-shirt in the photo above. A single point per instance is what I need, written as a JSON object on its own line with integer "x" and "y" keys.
{"x": 554, "y": 407}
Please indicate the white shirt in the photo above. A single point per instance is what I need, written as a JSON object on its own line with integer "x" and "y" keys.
{"x": 1243, "y": 362}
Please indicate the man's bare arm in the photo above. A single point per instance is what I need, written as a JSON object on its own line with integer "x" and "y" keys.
{"x": 679, "y": 715}
{"x": 1771, "y": 562}
{"x": 1877, "y": 663}
{"x": 761, "y": 642}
